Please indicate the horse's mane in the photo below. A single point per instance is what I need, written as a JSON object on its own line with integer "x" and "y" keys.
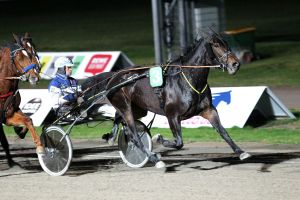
{"x": 3, "y": 61}
{"x": 95, "y": 84}
{"x": 202, "y": 37}
{"x": 11, "y": 45}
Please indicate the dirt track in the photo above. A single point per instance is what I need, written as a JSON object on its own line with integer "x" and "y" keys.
{"x": 199, "y": 171}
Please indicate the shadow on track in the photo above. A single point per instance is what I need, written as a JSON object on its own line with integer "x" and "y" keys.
{"x": 177, "y": 161}
{"x": 27, "y": 161}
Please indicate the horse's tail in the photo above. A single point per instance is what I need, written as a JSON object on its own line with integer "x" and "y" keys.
{"x": 95, "y": 84}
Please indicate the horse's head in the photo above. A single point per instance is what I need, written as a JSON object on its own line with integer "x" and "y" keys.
{"x": 32, "y": 75}
{"x": 223, "y": 54}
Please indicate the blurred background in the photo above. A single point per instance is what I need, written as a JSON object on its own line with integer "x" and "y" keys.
{"x": 269, "y": 28}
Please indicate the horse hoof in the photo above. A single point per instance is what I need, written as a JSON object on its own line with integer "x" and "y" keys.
{"x": 158, "y": 155}
{"x": 156, "y": 138}
{"x": 160, "y": 165}
{"x": 105, "y": 136}
{"x": 244, "y": 156}
{"x": 40, "y": 150}
{"x": 111, "y": 141}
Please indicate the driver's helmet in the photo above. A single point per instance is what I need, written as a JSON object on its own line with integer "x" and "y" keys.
{"x": 61, "y": 63}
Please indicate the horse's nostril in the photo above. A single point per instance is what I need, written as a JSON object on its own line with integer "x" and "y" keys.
{"x": 236, "y": 64}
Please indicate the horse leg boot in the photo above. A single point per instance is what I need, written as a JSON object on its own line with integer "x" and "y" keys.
{"x": 20, "y": 118}
{"x": 111, "y": 137}
{"x": 212, "y": 116}
{"x": 5, "y": 146}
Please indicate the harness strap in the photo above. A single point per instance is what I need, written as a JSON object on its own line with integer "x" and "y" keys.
{"x": 168, "y": 65}
{"x": 29, "y": 67}
{"x": 199, "y": 66}
{"x": 4, "y": 96}
{"x": 193, "y": 88}
{"x": 10, "y": 78}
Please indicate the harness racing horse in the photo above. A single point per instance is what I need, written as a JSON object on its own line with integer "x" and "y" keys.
{"x": 16, "y": 63}
{"x": 184, "y": 94}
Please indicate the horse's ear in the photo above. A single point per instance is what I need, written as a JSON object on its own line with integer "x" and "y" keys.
{"x": 26, "y": 35}
{"x": 16, "y": 37}
{"x": 198, "y": 36}
{"x": 211, "y": 29}
{"x": 205, "y": 35}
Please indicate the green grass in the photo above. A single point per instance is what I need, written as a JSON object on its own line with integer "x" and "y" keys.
{"x": 274, "y": 132}
{"x": 279, "y": 67}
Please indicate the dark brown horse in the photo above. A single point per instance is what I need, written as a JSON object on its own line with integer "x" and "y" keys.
{"x": 17, "y": 62}
{"x": 185, "y": 93}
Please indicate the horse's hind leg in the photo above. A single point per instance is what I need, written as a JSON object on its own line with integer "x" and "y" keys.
{"x": 212, "y": 116}
{"x": 111, "y": 137}
{"x": 20, "y": 118}
{"x": 5, "y": 146}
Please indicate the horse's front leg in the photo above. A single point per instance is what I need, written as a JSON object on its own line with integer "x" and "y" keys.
{"x": 212, "y": 116}
{"x": 18, "y": 119}
{"x": 175, "y": 127}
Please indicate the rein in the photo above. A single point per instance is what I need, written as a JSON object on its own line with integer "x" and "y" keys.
{"x": 4, "y": 96}
{"x": 167, "y": 65}
{"x": 25, "y": 70}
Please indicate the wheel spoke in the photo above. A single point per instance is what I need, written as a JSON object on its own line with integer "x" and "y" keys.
{"x": 58, "y": 153}
{"x": 130, "y": 153}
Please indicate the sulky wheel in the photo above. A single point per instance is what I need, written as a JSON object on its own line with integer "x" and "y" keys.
{"x": 58, "y": 151}
{"x": 129, "y": 152}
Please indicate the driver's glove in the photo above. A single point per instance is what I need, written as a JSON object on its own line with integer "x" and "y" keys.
{"x": 80, "y": 100}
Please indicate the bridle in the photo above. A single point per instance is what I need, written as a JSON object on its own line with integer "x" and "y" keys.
{"x": 27, "y": 41}
{"x": 224, "y": 57}
{"x": 22, "y": 71}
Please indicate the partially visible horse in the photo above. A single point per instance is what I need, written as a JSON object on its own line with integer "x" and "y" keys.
{"x": 27, "y": 43}
{"x": 17, "y": 62}
{"x": 185, "y": 93}
{"x": 90, "y": 89}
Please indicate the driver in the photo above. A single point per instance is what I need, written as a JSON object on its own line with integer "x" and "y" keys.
{"x": 63, "y": 88}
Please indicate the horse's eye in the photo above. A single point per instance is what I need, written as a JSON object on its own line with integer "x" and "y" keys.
{"x": 25, "y": 53}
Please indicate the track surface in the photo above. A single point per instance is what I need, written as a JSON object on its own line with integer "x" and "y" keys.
{"x": 199, "y": 171}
